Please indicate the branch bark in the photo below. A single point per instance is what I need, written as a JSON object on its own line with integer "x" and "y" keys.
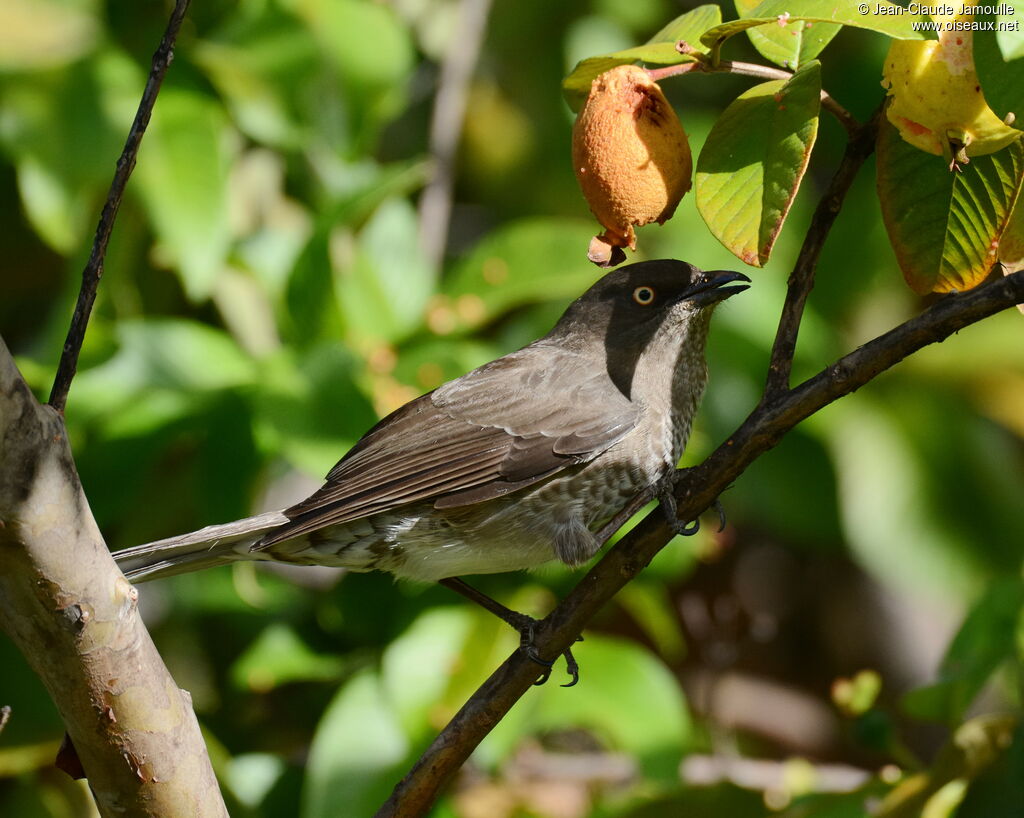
{"x": 73, "y": 615}
{"x": 64, "y": 603}
{"x": 696, "y": 489}
{"x": 801, "y": 280}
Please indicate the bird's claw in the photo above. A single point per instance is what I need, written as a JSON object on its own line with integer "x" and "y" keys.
{"x": 717, "y": 506}
{"x": 686, "y": 529}
{"x": 670, "y": 508}
{"x": 526, "y": 645}
{"x": 526, "y": 627}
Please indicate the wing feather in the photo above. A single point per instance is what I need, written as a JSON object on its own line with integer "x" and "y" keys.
{"x": 508, "y": 424}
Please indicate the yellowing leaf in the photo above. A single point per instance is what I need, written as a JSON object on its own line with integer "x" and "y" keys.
{"x": 945, "y": 227}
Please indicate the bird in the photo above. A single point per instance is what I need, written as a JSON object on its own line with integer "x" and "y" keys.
{"x": 516, "y": 463}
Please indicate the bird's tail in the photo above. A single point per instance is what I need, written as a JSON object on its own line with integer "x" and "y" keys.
{"x": 205, "y": 548}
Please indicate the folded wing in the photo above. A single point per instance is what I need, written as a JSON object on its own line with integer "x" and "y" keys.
{"x": 508, "y": 424}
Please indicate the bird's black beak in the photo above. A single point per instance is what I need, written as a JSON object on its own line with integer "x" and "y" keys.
{"x": 711, "y": 289}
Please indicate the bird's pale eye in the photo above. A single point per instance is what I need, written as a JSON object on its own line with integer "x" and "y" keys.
{"x": 643, "y": 295}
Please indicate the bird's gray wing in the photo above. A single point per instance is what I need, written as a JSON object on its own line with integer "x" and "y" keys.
{"x": 499, "y": 428}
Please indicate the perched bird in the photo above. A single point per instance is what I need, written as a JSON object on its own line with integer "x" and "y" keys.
{"x": 515, "y": 463}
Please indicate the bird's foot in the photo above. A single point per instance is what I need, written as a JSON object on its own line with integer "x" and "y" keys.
{"x": 526, "y": 635}
{"x": 524, "y": 625}
{"x": 669, "y": 507}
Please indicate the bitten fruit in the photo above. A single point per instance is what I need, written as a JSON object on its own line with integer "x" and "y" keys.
{"x": 631, "y": 157}
{"x": 936, "y": 99}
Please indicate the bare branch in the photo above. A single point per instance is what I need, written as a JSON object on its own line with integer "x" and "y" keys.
{"x": 73, "y": 615}
{"x": 801, "y": 280}
{"x": 696, "y": 490}
{"x": 125, "y": 165}
{"x": 446, "y": 126}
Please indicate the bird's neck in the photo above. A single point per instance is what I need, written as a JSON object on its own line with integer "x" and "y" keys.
{"x": 671, "y": 374}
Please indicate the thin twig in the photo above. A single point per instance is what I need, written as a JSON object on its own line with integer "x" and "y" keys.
{"x": 446, "y": 127}
{"x": 125, "y": 165}
{"x": 846, "y": 119}
{"x": 801, "y": 280}
{"x": 748, "y": 69}
{"x": 696, "y": 489}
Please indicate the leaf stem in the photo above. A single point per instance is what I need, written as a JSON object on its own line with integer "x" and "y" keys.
{"x": 749, "y": 69}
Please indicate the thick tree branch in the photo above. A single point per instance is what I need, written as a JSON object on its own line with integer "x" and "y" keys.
{"x": 64, "y": 603}
{"x": 696, "y": 489}
{"x": 125, "y": 165}
{"x": 73, "y": 615}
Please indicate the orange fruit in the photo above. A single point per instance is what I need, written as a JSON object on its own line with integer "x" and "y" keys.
{"x": 631, "y": 157}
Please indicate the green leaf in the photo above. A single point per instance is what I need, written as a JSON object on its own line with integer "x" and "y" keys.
{"x": 576, "y": 86}
{"x": 626, "y": 696}
{"x": 689, "y": 26}
{"x": 891, "y": 519}
{"x": 660, "y": 49}
{"x": 998, "y": 791}
{"x": 182, "y": 175}
{"x": 310, "y": 409}
{"x": 437, "y": 663}
{"x": 357, "y": 752}
{"x": 1001, "y": 76}
{"x": 367, "y": 41}
{"x": 367, "y": 185}
{"x": 62, "y": 176}
{"x": 789, "y": 46}
{"x": 372, "y": 52}
{"x": 984, "y": 641}
{"x": 312, "y": 309}
{"x": 252, "y": 775}
{"x": 945, "y": 226}
{"x": 165, "y": 354}
{"x": 1010, "y": 35}
{"x": 651, "y": 607}
{"x": 522, "y": 262}
{"x": 382, "y": 296}
{"x": 37, "y": 34}
{"x": 312, "y": 306}
{"x": 269, "y": 71}
{"x": 279, "y": 656}
{"x": 936, "y": 793}
{"x": 753, "y": 161}
{"x": 898, "y": 23}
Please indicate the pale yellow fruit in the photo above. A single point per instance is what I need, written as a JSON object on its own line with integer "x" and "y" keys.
{"x": 631, "y": 156}
{"x": 936, "y": 99}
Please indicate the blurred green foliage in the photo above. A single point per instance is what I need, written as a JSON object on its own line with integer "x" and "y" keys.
{"x": 265, "y": 300}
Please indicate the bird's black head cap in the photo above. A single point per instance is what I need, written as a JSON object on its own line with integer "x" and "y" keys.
{"x": 626, "y": 308}
{"x": 632, "y": 301}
